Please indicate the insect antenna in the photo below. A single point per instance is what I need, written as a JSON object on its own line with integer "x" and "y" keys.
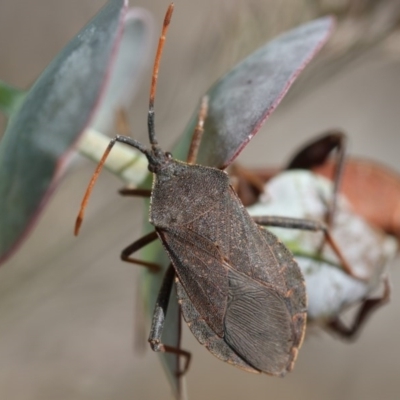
{"x": 122, "y": 139}
{"x": 151, "y": 156}
{"x": 160, "y": 48}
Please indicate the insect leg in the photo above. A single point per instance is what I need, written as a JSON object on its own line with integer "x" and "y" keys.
{"x": 315, "y": 153}
{"x": 247, "y": 184}
{"x": 367, "y": 308}
{"x": 123, "y": 128}
{"x": 198, "y": 132}
{"x": 308, "y": 225}
{"x": 159, "y": 315}
{"x": 135, "y": 192}
{"x": 137, "y": 245}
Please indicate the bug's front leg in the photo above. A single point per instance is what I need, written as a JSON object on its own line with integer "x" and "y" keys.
{"x": 137, "y": 245}
{"x": 308, "y": 225}
{"x": 159, "y": 315}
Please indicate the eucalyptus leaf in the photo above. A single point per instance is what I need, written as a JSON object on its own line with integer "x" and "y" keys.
{"x": 131, "y": 60}
{"x": 55, "y": 112}
{"x": 241, "y": 101}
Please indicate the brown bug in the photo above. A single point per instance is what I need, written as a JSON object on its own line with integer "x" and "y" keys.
{"x": 242, "y": 294}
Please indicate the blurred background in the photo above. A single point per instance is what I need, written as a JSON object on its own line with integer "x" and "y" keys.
{"x": 67, "y": 305}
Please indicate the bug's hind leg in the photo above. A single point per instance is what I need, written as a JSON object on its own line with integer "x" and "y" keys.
{"x": 157, "y": 325}
{"x": 316, "y": 153}
{"x": 308, "y": 225}
{"x": 368, "y": 307}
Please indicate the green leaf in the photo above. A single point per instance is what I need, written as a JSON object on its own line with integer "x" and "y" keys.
{"x": 10, "y": 98}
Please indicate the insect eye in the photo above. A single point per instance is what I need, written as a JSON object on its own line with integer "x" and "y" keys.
{"x": 168, "y": 154}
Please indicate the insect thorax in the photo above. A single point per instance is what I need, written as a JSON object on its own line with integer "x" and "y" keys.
{"x": 183, "y": 192}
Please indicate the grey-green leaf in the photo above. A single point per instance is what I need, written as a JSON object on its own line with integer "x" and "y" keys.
{"x": 132, "y": 59}
{"x": 54, "y": 113}
{"x": 241, "y": 101}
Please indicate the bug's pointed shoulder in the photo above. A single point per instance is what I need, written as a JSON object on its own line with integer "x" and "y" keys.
{"x": 181, "y": 174}
{"x": 183, "y": 191}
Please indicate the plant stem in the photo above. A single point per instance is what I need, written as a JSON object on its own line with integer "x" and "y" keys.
{"x": 125, "y": 162}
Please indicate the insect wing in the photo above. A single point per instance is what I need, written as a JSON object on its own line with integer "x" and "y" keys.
{"x": 258, "y": 325}
{"x": 202, "y": 272}
{"x": 240, "y": 284}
